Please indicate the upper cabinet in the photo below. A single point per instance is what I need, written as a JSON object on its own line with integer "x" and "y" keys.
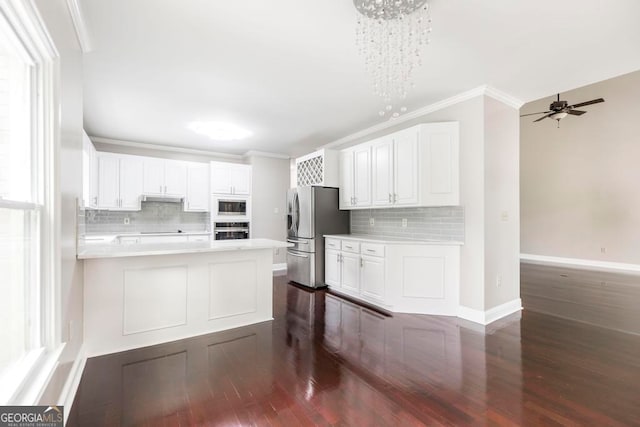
{"x": 89, "y": 173}
{"x": 197, "y": 188}
{"x": 355, "y": 177}
{"x": 164, "y": 177}
{"x": 119, "y": 182}
{"x": 418, "y": 166}
{"x": 230, "y": 178}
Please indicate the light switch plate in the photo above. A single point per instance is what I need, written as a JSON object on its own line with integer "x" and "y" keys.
{"x": 404, "y": 222}
{"x": 126, "y": 220}
{"x": 372, "y": 222}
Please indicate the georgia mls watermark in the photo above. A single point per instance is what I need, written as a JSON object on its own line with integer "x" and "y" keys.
{"x": 31, "y": 416}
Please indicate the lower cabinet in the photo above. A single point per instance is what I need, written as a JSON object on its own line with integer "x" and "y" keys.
{"x": 403, "y": 277}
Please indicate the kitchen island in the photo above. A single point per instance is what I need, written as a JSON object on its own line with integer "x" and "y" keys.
{"x": 146, "y": 294}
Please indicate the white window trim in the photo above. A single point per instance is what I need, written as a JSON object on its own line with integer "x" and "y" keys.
{"x": 26, "y": 382}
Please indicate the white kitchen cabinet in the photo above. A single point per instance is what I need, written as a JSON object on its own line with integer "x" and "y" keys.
{"x": 350, "y": 272}
{"x": 164, "y": 177}
{"x": 198, "y": 179}
{"x": 130, "y": 183}
{"x": 170, "y": 238}
{"x": 382, "y": 172}
{"x": 230, "y": 178}
{"x": 199, "y": 238}
{"x": 355, "y": 178}
{"x": 406, "y": 277}
{"x": 89, "y": 173}
{"x": 372, "y": 278}
{"x": 119, "y": 182}
{"x": 406, "y": 162}
{"x": 418, "y": 166}
{"x": 346, "y": 179}
{"x": 332, "y": 275}
{"x": 175, "y": 178}
{"x": 440, "y": 165}
{"x": 108, "y": 182}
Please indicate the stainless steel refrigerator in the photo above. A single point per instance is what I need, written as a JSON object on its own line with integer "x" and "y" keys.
{"x": 311, "y": 213}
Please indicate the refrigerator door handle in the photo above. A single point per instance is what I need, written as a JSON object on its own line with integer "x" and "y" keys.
{"x": 296, "y": 212}
{"x": 297, "y": 241}
{"x": 297, "y": 255}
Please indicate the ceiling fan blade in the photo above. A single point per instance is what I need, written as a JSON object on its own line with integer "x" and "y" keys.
{"x": 575, "y": 112}
{"x": 544, "y": 117}
{"x": 533, "y": 114}
{"x": 584, "y": 104}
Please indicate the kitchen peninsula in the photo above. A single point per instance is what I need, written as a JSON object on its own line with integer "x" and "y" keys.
{"x": 146, "y": 294}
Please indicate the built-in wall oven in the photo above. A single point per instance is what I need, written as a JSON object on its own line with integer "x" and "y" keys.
{"x": 231, "y": 230}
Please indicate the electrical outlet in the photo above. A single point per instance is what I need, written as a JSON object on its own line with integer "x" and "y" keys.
{"x": 603, "y": 250}
{"x": 504, "y": 216}
{"x": 404, "y": 222}
{"x": 499, "y": 281}
{"x": 126, "y": 220}
{"x": 372, "y": 222}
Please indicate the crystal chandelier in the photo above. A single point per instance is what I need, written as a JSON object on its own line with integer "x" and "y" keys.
{"x": 390, "y": 36}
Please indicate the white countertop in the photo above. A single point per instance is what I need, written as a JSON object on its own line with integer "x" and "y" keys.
{"x": 392, "y": 240}
{"x": 119, "y": 251}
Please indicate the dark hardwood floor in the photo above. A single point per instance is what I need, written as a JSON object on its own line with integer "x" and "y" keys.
{"x": 326, "y": 361}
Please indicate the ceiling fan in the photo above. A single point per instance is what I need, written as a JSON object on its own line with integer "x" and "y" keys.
{"x": 558, "y": 110}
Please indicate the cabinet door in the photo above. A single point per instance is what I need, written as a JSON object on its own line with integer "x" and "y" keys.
{"x": 153, "y": 176}
{"x": 440, "y": 164}
{"x": 382, "y": 172}
{"x": 332, "y": 268}
{"x": 108, "y": 182}
{"x": 175, "y": 178}
{"x": 350, "y": 273}
{"x": 131, "y": 178}
{"x": 240, "y": 177}
{"x": 372, "y": 278}
{"x": 346, "y": 179}
{"x": 362, "y": 176}
{"x": 406, "y": 164}
{"x": 197, "y": 188}
{"x": 220, "y": 178}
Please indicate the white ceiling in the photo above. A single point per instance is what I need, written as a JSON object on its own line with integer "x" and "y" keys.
{"x": 289, "y": 71}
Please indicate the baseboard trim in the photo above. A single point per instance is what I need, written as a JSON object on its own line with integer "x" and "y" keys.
{"x": 491, "y": 315}
{"x": 68, "y": 394}
{"x": 280, "y": 269}
{"x": 587, "y": 264}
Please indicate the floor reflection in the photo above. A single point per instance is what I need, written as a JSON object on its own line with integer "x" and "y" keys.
{"x": 327, "y": 361}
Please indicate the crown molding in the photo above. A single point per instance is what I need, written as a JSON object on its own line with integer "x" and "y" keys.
{"x": 484, "y": 90}
{"x": 79, "y": 25}
{"x": 266, "y": 154}
{"x": 503, "y": 97}
{"x": 160, "y": 147}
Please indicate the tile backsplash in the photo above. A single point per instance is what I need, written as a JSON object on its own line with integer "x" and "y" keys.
{"x": 440, "y": 223}
{"x": 154, "y": 216}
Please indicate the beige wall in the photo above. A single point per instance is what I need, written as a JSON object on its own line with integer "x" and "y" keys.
{"x": 58, "y": 21}
{"x": 269, "y": 192}
{"x": 502, "y": 203}
{"x": 580, "y": 184}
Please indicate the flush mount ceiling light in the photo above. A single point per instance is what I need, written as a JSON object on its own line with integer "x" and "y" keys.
{"x": 391, "y": 35}
{"x": 220, "y": 131}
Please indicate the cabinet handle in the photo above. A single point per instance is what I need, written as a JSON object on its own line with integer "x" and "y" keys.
{"x": 95, "y": 200}
{"x": 361, "y": 263}
{"x": 370, "y": 250}
{"x": 165, "y": 189}
{"x": 348, "y": 247}
{"x": 390, "y": 197}
{"x": 161, "y": 189}
{"x": 395, "y": 197}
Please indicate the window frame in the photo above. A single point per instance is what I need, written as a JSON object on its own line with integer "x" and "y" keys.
{"x": 22, "y": 25}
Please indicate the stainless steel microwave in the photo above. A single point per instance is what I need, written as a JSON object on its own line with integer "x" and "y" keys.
{"x": 230, "y": 207}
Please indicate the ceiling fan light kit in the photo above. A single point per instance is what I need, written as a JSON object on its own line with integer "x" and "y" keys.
{"x": 558, "y": 110}
{"x": 390, "y": 35}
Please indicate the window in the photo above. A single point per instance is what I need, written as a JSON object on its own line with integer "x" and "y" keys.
{"x": 27, "y": 284}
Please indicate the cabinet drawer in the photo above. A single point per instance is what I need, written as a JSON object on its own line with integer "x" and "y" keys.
{"x": 199, "y": 238}
{"x": 332, "y": 244}
{"x": 373, "y": 249}
{"x": 350, "y": 246}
